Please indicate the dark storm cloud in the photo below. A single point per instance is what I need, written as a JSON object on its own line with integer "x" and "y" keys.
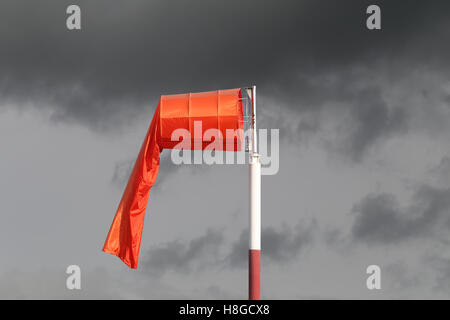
{"x": 380, "y": 219}
{"x": 127, "y": 53}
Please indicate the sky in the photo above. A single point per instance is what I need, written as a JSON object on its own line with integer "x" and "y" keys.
{"x": 364, "y": 120}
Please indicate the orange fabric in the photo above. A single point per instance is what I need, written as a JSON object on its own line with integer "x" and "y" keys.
{"x": 218, "y": 110}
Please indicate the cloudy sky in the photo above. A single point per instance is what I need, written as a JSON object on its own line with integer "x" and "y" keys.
{"x": 364, "y": 119}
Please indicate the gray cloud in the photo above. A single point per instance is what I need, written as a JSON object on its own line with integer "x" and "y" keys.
{"x": 397, "y": 276}
{"x": 279, "y": 245}
{"x": 50, "y": 284}
{"x": 442, "y": 171}
{"x": 211, "y": 250}
{"x": 380, "y": 219}
{"x": 373, "y": 120}
{"x": 180, "y": 256}
{"x": 121, "y": 173}
{"x": 97, "y": 283}
{"x": 442, "y": 266}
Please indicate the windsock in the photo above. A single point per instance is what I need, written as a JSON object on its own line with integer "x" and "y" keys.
{"x": 218, "y": 111}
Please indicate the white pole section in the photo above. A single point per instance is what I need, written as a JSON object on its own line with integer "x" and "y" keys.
{"x": 254, "y": 214}
{"x": 254, "y": 136}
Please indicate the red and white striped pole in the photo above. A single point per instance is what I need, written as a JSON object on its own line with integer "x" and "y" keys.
{"x": 254, "y": 254}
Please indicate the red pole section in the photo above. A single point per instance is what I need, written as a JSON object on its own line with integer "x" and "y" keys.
{"x": 254, "y": 274}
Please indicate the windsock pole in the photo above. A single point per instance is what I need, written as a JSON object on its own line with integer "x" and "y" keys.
{"x": 255, "y": 211}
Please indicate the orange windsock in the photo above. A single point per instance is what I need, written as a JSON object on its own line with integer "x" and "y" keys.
{"x": 219, "y": 110}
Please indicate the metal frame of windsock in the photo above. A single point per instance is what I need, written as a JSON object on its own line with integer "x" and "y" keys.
{"x": 254, "y": 254}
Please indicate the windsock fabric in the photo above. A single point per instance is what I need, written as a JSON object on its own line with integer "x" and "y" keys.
{"x": 196, "y": 113}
